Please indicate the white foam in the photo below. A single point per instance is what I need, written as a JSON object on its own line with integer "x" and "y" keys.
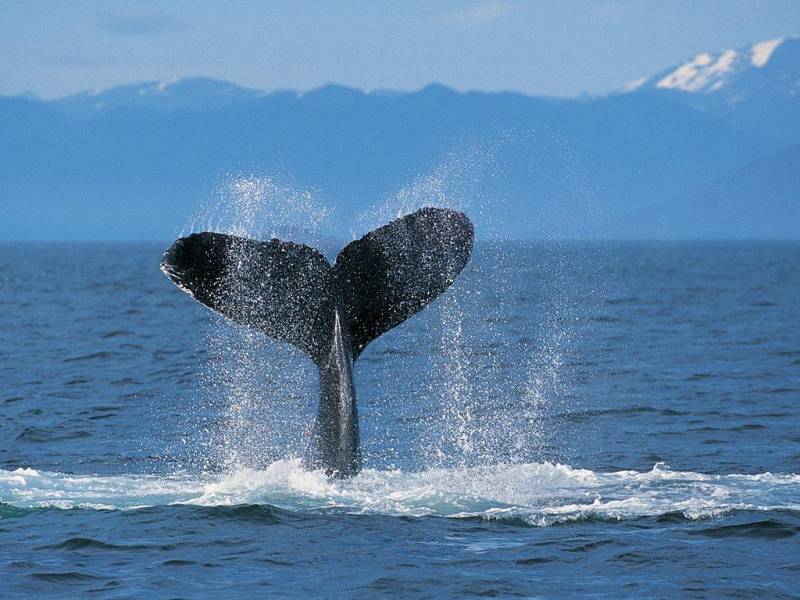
{"x": 538, "y": 493}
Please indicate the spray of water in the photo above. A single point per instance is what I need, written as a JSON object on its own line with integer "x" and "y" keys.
{"x": 262, "y": 388}
{"x": 458, "y": 181}
{"x": 480, "y": 409}
{"x": 262, "y": 207}
{"x": 479, "y": 403}
{"x": 534, "y": 494}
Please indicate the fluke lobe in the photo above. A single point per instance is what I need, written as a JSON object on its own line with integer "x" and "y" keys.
{"x": 290, "y": 292}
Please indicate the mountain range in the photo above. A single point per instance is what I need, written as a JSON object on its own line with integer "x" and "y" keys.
{"x": 709, "y": 148}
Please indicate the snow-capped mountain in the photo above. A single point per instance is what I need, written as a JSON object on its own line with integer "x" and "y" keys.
{"x": 197, "y": 94}
{"x": 706, "y": 148}
{"x": 755, "y": 87}
{"x": 720, "y": 73}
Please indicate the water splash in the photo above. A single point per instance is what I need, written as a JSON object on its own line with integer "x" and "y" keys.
{"x": 459, "y": 181}
{"x": 537, "y": 494}
{"x": 482, "y": 410}
{"x": 261, "y": 388}
{"x": 262, "y": 207}
{"x": 453, "y": 424}
{"x": 488, "y": 409}
{"x": 478, "y": 409}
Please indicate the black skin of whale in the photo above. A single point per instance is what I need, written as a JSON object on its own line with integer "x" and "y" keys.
{"x": 292, "y": 293}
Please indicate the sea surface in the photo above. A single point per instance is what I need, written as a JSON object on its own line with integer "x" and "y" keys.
{"x": 568, "y": 420}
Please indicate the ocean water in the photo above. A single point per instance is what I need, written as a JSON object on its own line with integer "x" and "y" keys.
{"x": 586, "y": 420}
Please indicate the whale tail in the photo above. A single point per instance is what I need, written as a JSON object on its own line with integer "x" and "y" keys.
{"x": 331, "y": 312}
{"x": 291, "y": 293}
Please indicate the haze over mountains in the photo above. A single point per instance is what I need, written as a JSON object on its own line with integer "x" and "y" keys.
{"x": 709, "y": 148}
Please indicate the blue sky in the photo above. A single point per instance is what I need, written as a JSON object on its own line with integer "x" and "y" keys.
{"x": 559, "y": 48}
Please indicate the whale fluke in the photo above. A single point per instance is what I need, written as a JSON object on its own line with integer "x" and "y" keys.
{"x": 393, "y": 272}
{"x": 280, "y": 288}
{"x": 332, "y": 312}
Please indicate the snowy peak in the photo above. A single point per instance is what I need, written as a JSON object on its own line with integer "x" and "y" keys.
{"x": 761, "y": 52}
{"x": 754, "y": 88}
{"x": 769, "y": 64}
{"x": 703, "y": 72}
{"x": 198, "y": 94}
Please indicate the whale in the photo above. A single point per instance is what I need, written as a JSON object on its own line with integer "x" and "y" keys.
{"x": 331, "y": 312}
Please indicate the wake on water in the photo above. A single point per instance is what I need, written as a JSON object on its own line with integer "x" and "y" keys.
{"x": 537, "y": 494}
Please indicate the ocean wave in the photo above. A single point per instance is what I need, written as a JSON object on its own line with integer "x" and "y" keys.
{"x": 534, "y": 494}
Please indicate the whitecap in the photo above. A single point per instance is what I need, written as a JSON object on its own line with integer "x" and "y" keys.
{"x": 536, "y": 493}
